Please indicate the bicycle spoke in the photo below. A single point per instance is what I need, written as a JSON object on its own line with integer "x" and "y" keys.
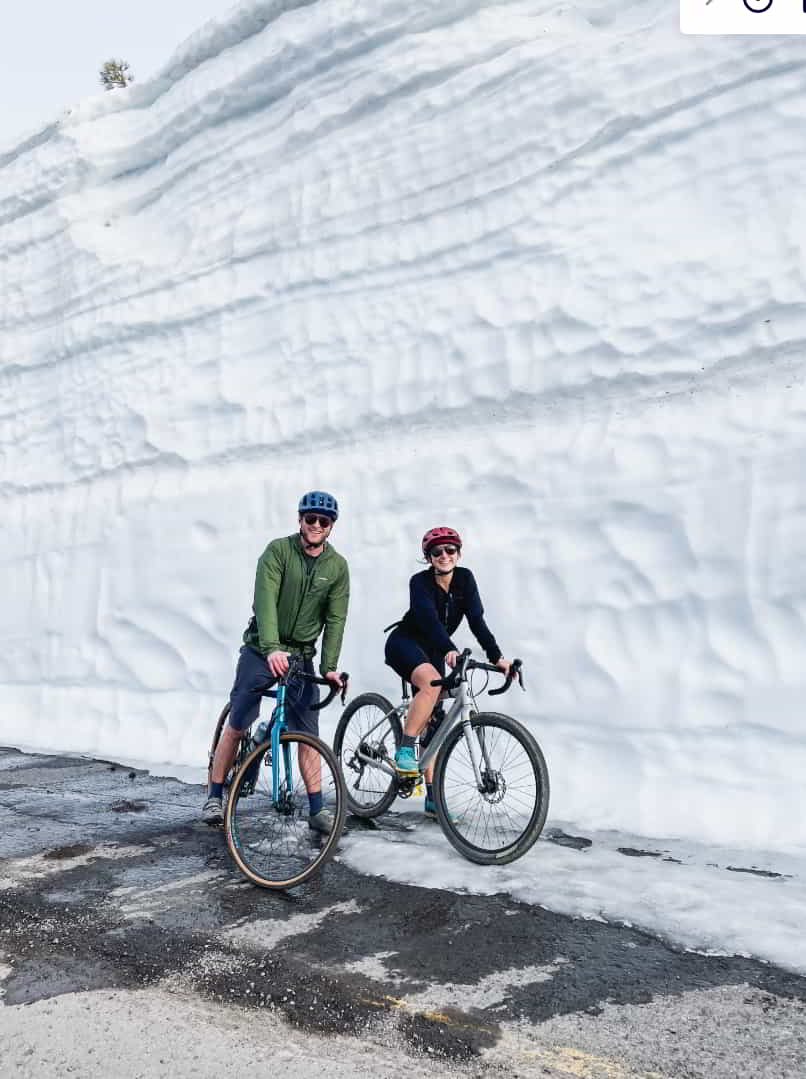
{"x": 367, "y": 727}
{"x": 370, "y": 781}
{"x": 274, "y": 839}
{"x": 495, "y": 817}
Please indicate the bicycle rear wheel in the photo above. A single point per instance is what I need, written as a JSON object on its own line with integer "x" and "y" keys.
{"x": 272, "y": 843}
{"x": 222, "y": 719}
{"x": 239, "y": 755}
{"x": 369, "y": 725}
{"x": 500, "y": 821}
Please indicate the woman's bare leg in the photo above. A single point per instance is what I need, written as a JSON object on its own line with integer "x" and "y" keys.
{"x": 422, "y": 704}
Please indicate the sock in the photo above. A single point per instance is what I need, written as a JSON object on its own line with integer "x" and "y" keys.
{"x": 429, "y": 793}
{"x": 216, "y": 790}
{"x": 408, "y": 741}
{"x": 315, "y": 802}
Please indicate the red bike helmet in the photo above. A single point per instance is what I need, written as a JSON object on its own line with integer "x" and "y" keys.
{"x": 440, "y": 535}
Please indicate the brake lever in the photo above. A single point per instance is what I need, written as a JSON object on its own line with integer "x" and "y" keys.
{"x": 514, "y": 672}
{"x": 517, "y": 666}
{"x": 344, "y": 680}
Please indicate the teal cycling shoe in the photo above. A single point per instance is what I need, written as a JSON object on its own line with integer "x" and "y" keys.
{"x": 430, "y": 811}
{"x": 406, "y": 762}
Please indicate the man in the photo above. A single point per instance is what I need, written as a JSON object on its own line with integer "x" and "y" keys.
{"x": 302, "y": 586}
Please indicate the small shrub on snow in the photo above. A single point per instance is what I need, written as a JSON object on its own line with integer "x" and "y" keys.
{"x": 115, "y": 73}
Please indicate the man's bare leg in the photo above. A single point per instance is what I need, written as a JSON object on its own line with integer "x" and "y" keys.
{"x": 310, "y": 764}
{"x": 212, "y": 811}
{"x": 225, "y": 753}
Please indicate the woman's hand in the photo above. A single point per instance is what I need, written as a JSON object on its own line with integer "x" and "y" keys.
{"x": 451, "y": 658}
{"x": 504, "y": 664}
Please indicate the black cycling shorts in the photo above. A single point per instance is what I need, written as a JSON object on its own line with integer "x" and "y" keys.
{"x": 252, "y": 677}
{"x": 403, "y": 655}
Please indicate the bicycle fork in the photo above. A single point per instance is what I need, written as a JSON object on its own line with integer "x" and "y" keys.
{"x": 467, "y": 728}
{"x": 277, "y": 728}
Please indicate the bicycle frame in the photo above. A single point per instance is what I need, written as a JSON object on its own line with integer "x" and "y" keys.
{"x": 459, "y": 712}
{"x": 277, "y": 728}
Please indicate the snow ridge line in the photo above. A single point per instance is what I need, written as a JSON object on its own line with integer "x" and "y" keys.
{"x": 210, "y": 41}
{"x": 213, "y": 38}
{"x": 627, "y": 391}
{"x": 254, "y": 90}
{"x": 30, "y": 142}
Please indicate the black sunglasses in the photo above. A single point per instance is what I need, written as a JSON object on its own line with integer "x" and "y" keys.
{"x": 314, "y": 518}
{"x": 435, "y": 552}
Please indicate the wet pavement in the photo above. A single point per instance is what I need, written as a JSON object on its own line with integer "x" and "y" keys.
{"x": 109, "y": 882}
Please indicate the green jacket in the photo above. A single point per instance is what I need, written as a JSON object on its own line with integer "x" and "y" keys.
{"x": 292, "y": 607}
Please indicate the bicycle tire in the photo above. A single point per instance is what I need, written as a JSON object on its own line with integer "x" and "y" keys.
{"x": 379, "y": 790}
{"x": 277, "y": 850}
{"x": 240, "y": 752}
{"x": 466, "y": 815}
{"x": 222, "y": 719}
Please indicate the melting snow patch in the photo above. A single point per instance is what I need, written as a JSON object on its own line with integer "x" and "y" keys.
{"x": 266, "y": 933}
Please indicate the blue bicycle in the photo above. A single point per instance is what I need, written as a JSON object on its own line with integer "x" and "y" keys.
{"x": 266, "y": 820}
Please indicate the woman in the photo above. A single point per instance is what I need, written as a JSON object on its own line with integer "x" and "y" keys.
{"x": 420, "y": 645}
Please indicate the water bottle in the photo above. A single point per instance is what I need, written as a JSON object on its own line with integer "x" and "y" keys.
{"x": 260, "y": 732}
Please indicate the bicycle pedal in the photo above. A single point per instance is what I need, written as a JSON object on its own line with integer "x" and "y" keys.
{"x": 406, "y": 786}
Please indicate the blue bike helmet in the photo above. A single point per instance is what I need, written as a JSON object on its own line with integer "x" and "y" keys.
{"x": 319, "y": 502}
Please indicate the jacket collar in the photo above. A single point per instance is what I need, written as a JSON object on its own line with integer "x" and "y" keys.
{"x": 433, "y": 578}
{"x": 296, "y": 540}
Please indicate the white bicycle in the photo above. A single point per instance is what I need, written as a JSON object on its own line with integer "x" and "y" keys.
{"x": 491, "y": 784}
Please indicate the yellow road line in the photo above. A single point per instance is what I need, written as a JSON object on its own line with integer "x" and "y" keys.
{"x": 572, "y": 1061}
{"x": 587, "y": 1065}
{"x": 436, "y": 1017}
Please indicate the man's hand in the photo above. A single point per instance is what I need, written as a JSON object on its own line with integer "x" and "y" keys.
{"x": 504, "y": 664}
{"x": 278, "y": 663}
{"x": 335, "y": 677}
{"x": 451, "y": 658}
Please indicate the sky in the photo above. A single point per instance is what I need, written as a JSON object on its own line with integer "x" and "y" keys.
{"x": 60, "y": 67}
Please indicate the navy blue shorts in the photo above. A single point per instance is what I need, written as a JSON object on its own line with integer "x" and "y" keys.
{"x": 253, "y": 677}
{"x": 403, "y": 654}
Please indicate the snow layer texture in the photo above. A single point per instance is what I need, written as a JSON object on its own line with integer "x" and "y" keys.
{"x": 532, "y": 270}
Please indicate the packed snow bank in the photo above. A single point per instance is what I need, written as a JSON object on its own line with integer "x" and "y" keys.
{"x": 533, "y": 271}
{"x": 702, "y": 898}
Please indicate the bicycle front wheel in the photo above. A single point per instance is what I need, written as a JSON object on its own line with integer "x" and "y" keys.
{"x": 497, "y": 819}
{"x": 271, "y": 841}
{"x": 367, "y": 736}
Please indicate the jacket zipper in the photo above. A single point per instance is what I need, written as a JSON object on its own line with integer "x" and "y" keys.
{"x": 305, "y": 588}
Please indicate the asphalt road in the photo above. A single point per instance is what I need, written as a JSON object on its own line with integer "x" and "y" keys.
{"x": 127, "y": 937}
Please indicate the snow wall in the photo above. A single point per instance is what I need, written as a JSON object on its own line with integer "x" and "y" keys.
{"x": 532, "y": 270}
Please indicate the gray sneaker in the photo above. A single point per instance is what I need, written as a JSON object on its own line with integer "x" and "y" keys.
{"x": 213, "y": 812}
{"x": 322, "y": 821}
